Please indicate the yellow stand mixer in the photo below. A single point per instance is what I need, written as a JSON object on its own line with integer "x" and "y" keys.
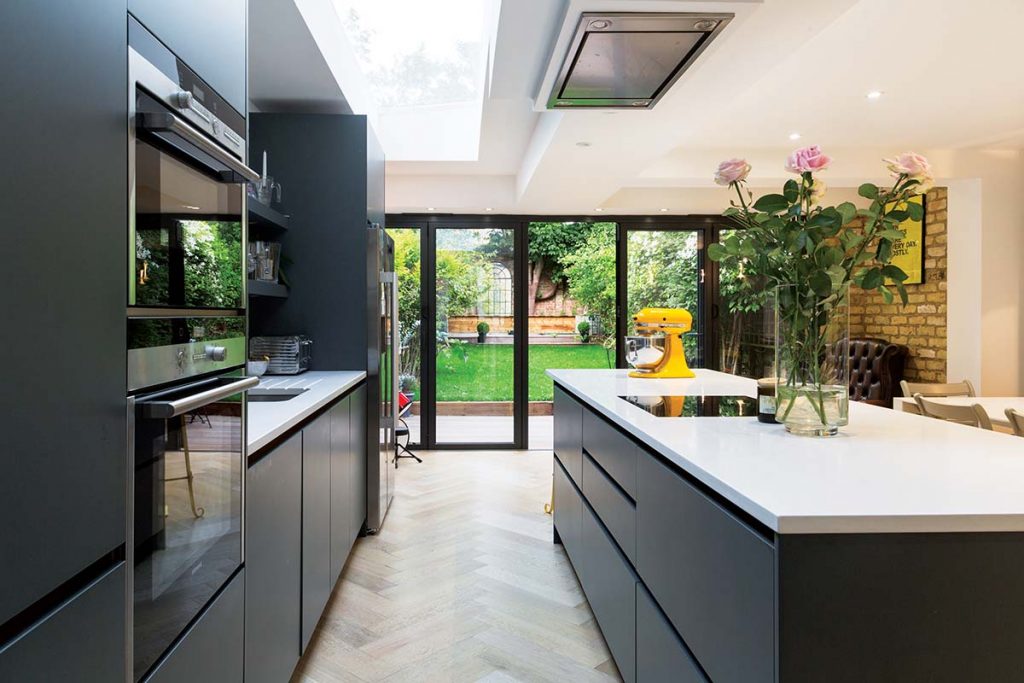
{"x": 657, "y": 349}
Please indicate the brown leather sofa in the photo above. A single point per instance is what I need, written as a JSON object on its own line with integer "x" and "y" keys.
{"x": 876, "y": 368}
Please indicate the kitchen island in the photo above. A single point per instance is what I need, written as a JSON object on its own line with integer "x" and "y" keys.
{"x": 724, "y": 549}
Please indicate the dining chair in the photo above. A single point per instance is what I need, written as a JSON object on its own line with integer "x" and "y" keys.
{"x": 964, "y": 388}
{"x": 973, "y": 415}
{"x": 1016, "y": 419}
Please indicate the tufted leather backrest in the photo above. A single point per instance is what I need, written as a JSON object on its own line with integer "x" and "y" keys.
{"x": 876, "y": 368}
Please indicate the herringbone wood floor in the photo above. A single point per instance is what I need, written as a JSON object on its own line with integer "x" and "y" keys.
{"x": 463, "y": 583}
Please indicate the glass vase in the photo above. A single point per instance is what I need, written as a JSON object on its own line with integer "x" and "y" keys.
{"x": 812, "y": 334}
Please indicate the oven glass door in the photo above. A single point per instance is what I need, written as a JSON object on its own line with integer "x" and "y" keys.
{"x": 188, "y": 509}
{"x": 188, "y": 250}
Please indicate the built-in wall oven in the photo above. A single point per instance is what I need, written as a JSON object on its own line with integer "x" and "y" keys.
{"x": 186, "y": 385}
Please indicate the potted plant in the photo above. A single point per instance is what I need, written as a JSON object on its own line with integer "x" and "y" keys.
{"x": 482, "y": 328}
{"x": 584, "y": 330}
{"x": 807, "y": 256}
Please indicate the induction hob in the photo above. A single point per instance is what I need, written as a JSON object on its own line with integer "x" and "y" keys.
{"x": 695, "y": 406}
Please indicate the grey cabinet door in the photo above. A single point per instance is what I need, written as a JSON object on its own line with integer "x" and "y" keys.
{"x": 211, "y": 651}
{"x": 713, "y": 576}
{"x": 63, "y": 460}
{"x": 612, "y": 450}
{"x": 610, "y": 585}
{"x": 83, "y": 640}
{"x": 613, "y": 507}
{"x": 568, "y": 433}
{"x": 316, "y": 523}
{"x": 273, "y": 552}
{"x": 568, "y": 506}
{"x": 358, "y": 436}
{"x": 341, "y": 485}
{"x": 208, "y": 36}
{"x": 661, "y": 656}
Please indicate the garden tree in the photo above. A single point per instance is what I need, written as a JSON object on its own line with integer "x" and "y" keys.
{"x": 589, "y": 270}
{"x": 407, "y": 269}
{"x": 549, "y": 243}
{"x": 663, "y": 270}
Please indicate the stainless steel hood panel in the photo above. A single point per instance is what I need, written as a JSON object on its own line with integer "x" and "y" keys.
{"x": 629, "y": 60}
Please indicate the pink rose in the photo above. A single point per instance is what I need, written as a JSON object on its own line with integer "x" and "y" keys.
{"x": 909, "y": 164}
{"x": 807, "y": 159}
{"x": 732, "y": 171}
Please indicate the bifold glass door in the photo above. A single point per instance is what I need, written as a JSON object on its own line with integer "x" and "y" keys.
{"x": 475, "y": 336}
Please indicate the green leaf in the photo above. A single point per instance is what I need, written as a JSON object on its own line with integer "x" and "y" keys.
{"x": 731, "y": 211}
{"x": 821, "y": 283}
{"x": 771, "y": 203}
{"x": 716, "y": 252}
{"x": 868, "y": 190}
{"x": 837, "y": 274}
{"x": 791, "y": 191}
{"x": 891, "y": 234}
{"x": 915, "y": 211}
{"x": 884, "y": 252}
{"x": 897, "y": 216}
{"x": 847, "y": 212}
{"x": 886, "y": 293}
{"x": 902, "y": 292}
{"x": 894, "y": 273}
{"x": 872, "y": 279}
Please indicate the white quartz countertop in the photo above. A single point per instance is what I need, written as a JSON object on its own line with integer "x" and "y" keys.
{"x": 269, "y": 420}
{"x": 886, "y": 472}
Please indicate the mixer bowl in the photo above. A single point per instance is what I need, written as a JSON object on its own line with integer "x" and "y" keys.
{"x": 646, "y": 352}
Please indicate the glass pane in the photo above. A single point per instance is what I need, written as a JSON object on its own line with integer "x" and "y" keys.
{"x": 663, "y": 271}
{"x": 410, "y": 325}
{"x": 475, "y": 360}
{"x": 747, "y": 340}
{"x": 571, "y": 307}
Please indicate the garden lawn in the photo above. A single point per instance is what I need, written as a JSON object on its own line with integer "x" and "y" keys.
{"x": 485, "y": 373}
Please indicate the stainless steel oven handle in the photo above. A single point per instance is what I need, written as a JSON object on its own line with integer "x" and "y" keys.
{"x": 170, "y": 123}
{"x": 161, "y": 410}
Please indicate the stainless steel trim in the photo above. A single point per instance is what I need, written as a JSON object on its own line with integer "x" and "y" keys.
{"x": 166, "y": 121}
{"x": 161, "y": 410}
{"x": 149, "y": 367}
{"x": 129, "y": 548}
{"x": 632, "y": 22}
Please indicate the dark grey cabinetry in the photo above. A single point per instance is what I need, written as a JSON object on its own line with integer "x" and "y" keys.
{"x": 568, "y": 511}
{"x": 359, "y": 463}
{"x": 316, "y": 523}
{"x": 712, "y": 575}
{"x": 610, "y": 585}
{"x": 568, "y": 433}
{"x": 273, "y": 554}
{"x": 342, "y": 480}
{"x": 82, "y": 640}
{"x": 211, "y": 650}
{"x": 208, "y": 36}
{"x": 616, "y": 510}
{"x": 612, "y": 450}
{"x": 62, "y": 491}
{"x": 661, "y": 656}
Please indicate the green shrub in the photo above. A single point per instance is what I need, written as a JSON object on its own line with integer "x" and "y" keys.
{"x": 482, "y": 327}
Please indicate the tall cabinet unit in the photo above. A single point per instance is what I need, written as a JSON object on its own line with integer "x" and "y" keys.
{"x": 62, "y": 492}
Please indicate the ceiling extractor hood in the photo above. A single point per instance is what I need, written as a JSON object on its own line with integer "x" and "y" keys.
{"x": 629, "y": 60}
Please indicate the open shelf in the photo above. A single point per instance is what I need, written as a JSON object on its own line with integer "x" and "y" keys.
{"x": 261, "y": 288}
{"x": 262, "y": 217}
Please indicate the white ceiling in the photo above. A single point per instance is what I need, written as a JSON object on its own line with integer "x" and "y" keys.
{"x": 949, "y": 71}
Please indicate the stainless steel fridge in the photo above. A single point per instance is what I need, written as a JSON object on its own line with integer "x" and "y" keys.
{"x": 382, "y": 376}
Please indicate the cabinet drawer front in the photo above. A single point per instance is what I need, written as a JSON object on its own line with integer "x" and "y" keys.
{"x": 614, "y": 508}
{"x": 568, "y": 509}
{"x": 610, "y": 585}
{"x": 612, "y": 450}
{"x": 661, "y": 657}
{"x": 568, "y": 433}
{"x": 711, "y": 574}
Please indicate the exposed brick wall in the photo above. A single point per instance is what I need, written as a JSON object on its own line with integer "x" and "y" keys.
{"x": 921, "y": 324}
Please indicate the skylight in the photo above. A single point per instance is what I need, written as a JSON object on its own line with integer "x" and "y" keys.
{"x": 415, "y": 53}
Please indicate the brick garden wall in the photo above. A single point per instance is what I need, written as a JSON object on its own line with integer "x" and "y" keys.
{"x": 921, "y": 324}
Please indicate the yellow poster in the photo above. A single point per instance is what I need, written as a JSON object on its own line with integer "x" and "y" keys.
{"x": 908, "y": 253}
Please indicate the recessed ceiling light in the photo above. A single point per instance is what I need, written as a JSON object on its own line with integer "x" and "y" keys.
{"x": 583, "y": 143}
{"x": 599, "y": 209}
{"x": 190, "y": 206}
{"x": 663, "y": 210}
{"x": 794, "y": 136}
{"x": 874, "y": 94}
{"x": 430, "y": 208}
{"x": 488, "y": 209}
